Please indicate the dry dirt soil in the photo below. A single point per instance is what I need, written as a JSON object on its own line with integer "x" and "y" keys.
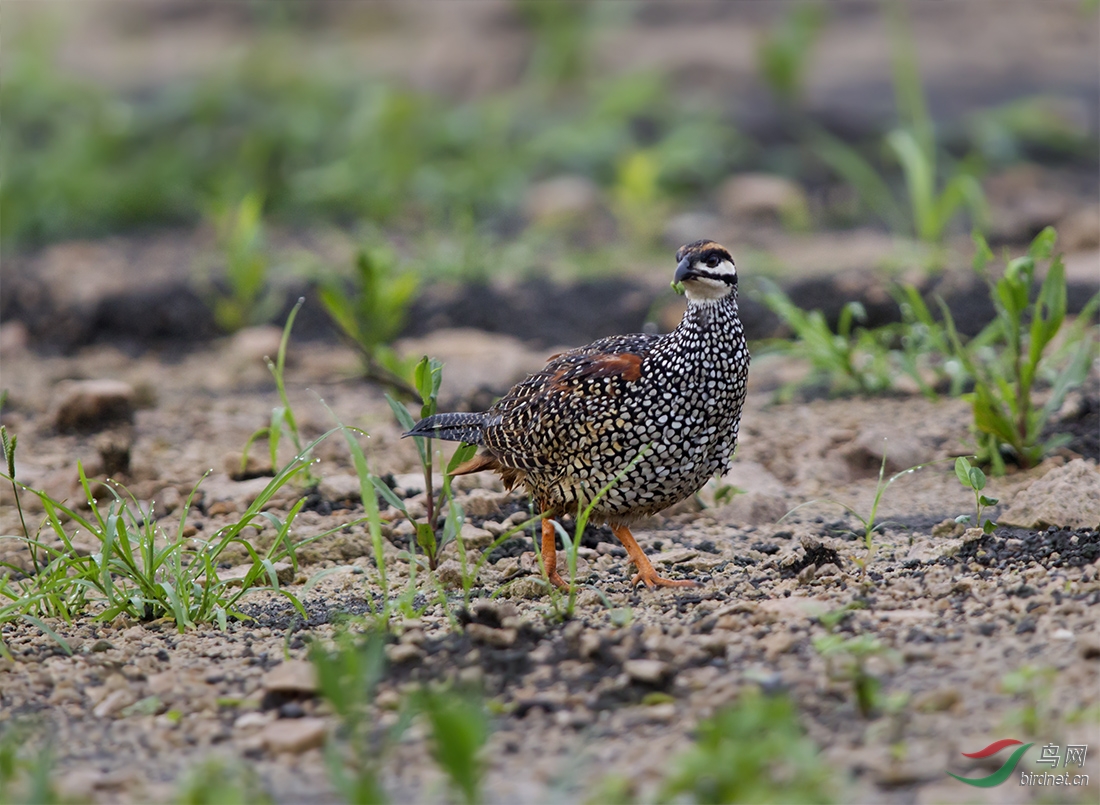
{"x": 139, "y": 704}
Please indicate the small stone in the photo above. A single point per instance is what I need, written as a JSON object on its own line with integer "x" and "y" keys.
{"x": 776, "y": 644}
{"x": 1089, "y": 648}
{"x": 86, "y": 405}
{"x": 806, "y": 575}
{"x": 293, "y": 677}
{"x": 936, "y": 701}
{"x": 113, "y": 703}
{"x": 169, "y": 499}
{"x": 449, "y": 574}
{"x": 947, "y": 528}
{"x": 484, "y": 502}
{"x": 1067, "y": 496}
{"x": 827, "y": 569}
{"x": 649, "y": 672}
{"x": 663, "y": 713}
{"x": 284, "y": 572}
{"x": 475, "y": 537}
{"x": 342, "y": 487}
{"x": 65, "y": 693}
{"x": 295, "y": 735}
{"x": 674, "y": 557}
{"x": 403, "y": 652}
{"x": 113, "y": 446}
{"x": 500, "y": 638}
{"x": 252, "y": 720}
{"x": 241, "y": 467}
{"x": 526, "y": 588}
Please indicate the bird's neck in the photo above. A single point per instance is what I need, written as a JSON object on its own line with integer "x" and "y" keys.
{"x": 711, "y": 314}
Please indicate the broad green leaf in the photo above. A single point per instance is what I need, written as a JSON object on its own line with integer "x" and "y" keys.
{"x": 962, "y": 471}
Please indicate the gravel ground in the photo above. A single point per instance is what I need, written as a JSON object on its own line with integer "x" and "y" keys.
{"x": 618, "y": 689}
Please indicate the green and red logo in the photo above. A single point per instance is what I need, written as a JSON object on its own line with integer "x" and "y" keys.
{"x": 999, "y": 776}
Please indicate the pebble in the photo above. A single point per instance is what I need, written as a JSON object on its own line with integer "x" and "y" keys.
{"x": 340, "y": 487}
{"x": 252, "y": 720}
{"x": 84, "y": 405}
{"x": 284, "y": 572}
{"x": 936, "y": 701}
{"x": 449, "y": 574}
{"x": 1067, "y": 496}
{"x": 293, "y": 677}
{"x": 1089, "y": 648}
{"x": 500, "y": 638}
{"x": 113, "y": 703}
{"x": 403, "y": 652}
{"x": 526, "y": 588}
{"x": 475, "y": 537}
{"x": 294, "y": 736}
{"x": 649, "y": 672}
{"x": 674, "y": 557}
{"x": 484, "y": 503}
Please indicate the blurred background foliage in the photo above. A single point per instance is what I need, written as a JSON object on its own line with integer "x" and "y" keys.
{"x": 320, "y": 140}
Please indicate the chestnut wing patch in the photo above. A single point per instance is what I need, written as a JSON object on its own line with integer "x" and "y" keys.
{"x": 582, "y": 368}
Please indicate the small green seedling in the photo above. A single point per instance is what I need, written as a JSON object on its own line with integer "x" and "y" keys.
{"x": 370, "y": 310}
{"x": 240, "y": 237}
{"x": 1035, "y": 685}
{"x": 973, "y": 478}
{"x": 459, "y": 724}
{"x": 846, "y": 660}
{"x": 347, "y": 674}
{"x": 854, "y": 358}
{"x": 572, "y": 543}
{"x": 283, "y": 422}
{"x": 1011, "y": 354}
{"x": 783, "y": 53}
{"x": 753, "y": 751}
{"x": 869, "y": 524}
{"x": 428, "y": 377}
{"x": 215, "y": 781}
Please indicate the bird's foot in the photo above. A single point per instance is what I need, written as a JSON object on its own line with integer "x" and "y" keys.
{"x": 555, "y": 578}
{"x": 650, "y": 579}
{"x": 646, "y": 574}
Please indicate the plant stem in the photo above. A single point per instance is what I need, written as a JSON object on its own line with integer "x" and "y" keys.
{"x": 429, "y": 498}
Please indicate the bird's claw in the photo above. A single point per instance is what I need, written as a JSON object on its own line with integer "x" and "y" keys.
{"x": 555, "y": 578}
{"x": 652, "y": 580}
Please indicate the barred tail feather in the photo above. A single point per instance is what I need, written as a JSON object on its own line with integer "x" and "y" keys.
{"x": 451, "y": 427}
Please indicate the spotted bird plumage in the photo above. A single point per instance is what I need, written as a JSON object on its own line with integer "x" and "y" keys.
{"x": 671, "y": 404}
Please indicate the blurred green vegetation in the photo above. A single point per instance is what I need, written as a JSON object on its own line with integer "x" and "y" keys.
{"x": 318, "y": 144}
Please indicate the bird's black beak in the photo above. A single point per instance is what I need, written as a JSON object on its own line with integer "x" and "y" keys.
{"x": 683, "y": 271}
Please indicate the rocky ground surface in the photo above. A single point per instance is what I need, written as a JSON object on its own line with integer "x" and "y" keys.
{"x": 618, "y": 689}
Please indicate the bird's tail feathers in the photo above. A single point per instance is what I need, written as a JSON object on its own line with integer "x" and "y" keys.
{"x": 451, "y": 427}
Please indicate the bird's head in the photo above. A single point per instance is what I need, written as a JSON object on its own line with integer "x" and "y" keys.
{"x": 704, "y": 271}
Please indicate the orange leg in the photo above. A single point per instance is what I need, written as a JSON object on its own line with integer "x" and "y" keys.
{"x": 550, "y": 554}
{"x": 646, "y": 574}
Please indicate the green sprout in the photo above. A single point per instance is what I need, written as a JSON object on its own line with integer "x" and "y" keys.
{"x": 973, "y": 478}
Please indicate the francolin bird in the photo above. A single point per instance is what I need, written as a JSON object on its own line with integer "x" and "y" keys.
{"x": 654, "y": 416}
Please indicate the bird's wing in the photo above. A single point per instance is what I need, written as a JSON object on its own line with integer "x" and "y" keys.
{"x": 542, "y": 421}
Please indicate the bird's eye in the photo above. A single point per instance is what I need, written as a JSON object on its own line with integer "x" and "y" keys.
{"x": 712, "y": 261}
